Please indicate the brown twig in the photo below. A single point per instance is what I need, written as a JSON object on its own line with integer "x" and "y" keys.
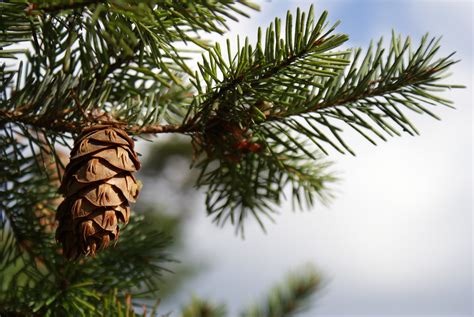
{"x": 64, "y": 126}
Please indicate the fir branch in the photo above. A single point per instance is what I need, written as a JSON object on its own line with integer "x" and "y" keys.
{"x": 254, "y": 74}
{"x": 15, "y": 27}
{"x": 202, "y": 15}
{"x": 43, "y": 282}
{"x": 268, "y": 96}
{"x": 247, "y": 164}
{"x": 97, "y": 59}
{"x": 202, "y": 308}
{"x": 252, "y": 112}
{"x": 373, "y": 91}
{"x": 56, "y": 6}
{"x": 243, "y": 184}
{"x": 63, "y": 126}
{"x": 251, "y": 100}
{"x": 289, "y": 298}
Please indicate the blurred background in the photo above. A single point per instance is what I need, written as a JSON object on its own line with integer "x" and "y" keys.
{"x": 397, "y": 239}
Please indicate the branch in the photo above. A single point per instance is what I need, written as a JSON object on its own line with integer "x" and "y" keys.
{"x": 348, "y": 97}
{"x": 65, "y": 126}
{"x": 269, "y": 68}
{"x": 344, "y": 98}
{"x": 202, "y": 308}
{"x": 70, "y": 5}
{"x": 371, "y": 96}
{"x": 289, "y": 298}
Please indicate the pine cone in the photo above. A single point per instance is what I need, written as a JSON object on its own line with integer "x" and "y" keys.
{"x": 98, "y": 186}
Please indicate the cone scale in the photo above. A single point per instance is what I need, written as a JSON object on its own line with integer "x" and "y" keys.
{"x": 98, "y": 186}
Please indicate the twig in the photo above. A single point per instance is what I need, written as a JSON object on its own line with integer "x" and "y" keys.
{"x": 71, "y": 127}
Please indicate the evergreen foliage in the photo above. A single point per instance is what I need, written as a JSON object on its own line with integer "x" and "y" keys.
{"x": 35, "y": 279}
{"x": 260, "y": 116}
{"x": 285, "y": 300}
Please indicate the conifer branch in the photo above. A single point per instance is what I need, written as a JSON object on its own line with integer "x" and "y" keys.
{"x": 56, "y": 7}
{"x": 283, "y": 95}
{"x": 203, "y": 308}
{"x": 289, "y": 298}
{"x": 374, "y": 91}
{"x": 61, "y": 126}
{"x": 259, "y": 117}
{"x": 268, "y": 99}
{"x": 43, "y": 282}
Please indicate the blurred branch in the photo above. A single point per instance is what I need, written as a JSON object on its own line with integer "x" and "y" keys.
{"x": 203, "y": 308}
{"x": 289, "y": 298}
{"x": 69, "y": 5}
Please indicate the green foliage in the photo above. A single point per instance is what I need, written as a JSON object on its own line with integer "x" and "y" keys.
{"x": 289, "y": 298}
{"x": 255, "y": 184}
{"x": 119, "y": 56}
{"x": 277, "y": 69}
{"x": 203, "y": 308}
{"x": 257, "y": 114}
{"x": 247, "y": 89}
{"x": 36, "y": 279}
{"x": 260, "y": 117}
{"x": 290, "y": 93}
{"x": 373, "y": 94}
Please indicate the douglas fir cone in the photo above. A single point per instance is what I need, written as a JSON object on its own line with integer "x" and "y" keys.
{"x": 98, "y": 186}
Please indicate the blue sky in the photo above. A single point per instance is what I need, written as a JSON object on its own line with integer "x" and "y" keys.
{"x": 398, "y": 238}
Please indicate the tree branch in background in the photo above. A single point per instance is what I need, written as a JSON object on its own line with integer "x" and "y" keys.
{"x": 291, "y": 297}
{"x": 203, "y": 308}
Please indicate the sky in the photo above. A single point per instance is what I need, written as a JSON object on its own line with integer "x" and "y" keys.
{"x": 397, "y": 240}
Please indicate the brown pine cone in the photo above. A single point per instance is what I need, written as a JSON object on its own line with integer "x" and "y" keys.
{"x": 98, "y": 186}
